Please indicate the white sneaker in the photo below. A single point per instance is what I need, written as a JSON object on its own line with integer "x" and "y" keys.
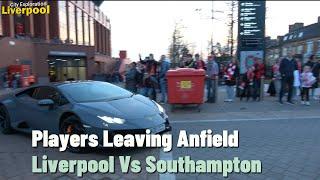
{"x": 303, "y": 103}
{"x": 308, "y": 103}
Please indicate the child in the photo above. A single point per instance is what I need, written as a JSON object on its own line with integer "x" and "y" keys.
{"x": 307, "y": 79}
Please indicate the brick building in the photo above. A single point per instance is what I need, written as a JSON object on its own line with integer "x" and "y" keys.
{"x": 73, "y": 41}
{"x": 301, "y": 40}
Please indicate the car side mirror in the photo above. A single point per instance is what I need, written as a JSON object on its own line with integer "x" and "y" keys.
{"x": 46, "y": 102}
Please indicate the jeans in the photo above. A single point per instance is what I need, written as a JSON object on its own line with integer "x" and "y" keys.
{"x": 14, "y": 84}
{"x": 256, "y": 89}
{"x": 146, "y": 92}
{"x": 286, "y": 82}
{"x": 277, "y": 85}
{"x": 211, "y": 94}
{"x": 230, "y": 92}
{"x": 163, "y": 89}
{"x": 295, "y": 92}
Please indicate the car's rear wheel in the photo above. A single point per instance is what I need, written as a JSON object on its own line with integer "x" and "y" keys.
{"x": 72, "y": 125}
{"x": 5, "y": 125}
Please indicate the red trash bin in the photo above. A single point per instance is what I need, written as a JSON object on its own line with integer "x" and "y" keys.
{"x": 185, "y": 86}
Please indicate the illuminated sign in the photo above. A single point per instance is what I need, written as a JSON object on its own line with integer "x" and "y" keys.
{"x": 251, "y": 34}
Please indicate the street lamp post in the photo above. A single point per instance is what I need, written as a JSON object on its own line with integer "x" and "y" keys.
{"x": 198, "y": 10}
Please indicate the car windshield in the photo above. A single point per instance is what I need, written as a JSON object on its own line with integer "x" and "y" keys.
{"x": 94, "y": 91}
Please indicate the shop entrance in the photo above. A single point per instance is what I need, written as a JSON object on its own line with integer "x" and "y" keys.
{"x": 66, "y": 68}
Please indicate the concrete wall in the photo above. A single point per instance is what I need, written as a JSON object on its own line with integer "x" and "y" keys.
{"x": 19, "y": 50}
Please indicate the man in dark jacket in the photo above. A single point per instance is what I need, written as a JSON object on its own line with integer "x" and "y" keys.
{"x": 287, "y": 67}
{"x": 151, "y": 68}
{"x": 151, "y": 65}
{"x": 131, "y": 83}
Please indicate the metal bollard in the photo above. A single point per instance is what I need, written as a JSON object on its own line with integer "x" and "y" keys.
{"x": 216, "y": 88}
{"x": 261, "y": 88}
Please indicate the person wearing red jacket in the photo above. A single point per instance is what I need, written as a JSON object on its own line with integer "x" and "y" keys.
{"x": 259, "y": 70}
{"x": 231, "y": 74}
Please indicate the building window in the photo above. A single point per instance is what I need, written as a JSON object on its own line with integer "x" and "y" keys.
{"x": 92, "y": 32}
{"x": 284, "y": 51}
{"x": 309, "y": 47}
{"x": 80, "y": 4}
{"x": 79, "y": 26}
{"x": 293, "y": 50}
{"x": 86, "y": 6}
{"x": 300, "y": 34}
{"x": 91, "y": 8}
{"x": 19, "y": 25}
{"x": 72, "y": 24}
{"x": 299, "y": 49}
{"x": 86, "y": 29}
{"x": 63, "y": 29}
{"x": 97, "y": 14}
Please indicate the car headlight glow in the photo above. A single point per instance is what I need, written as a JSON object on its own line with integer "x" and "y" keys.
{"x": 161, "y": 109}
{"x": 112, "y": 120}
{"x": 163, "y": 113}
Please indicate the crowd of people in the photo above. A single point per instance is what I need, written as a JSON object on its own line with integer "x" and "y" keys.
{"x": 290, "y": 78}
{"x": 15, "y": 80}
{"x": 148, "y": 76}
{"x": 293, "y": 78}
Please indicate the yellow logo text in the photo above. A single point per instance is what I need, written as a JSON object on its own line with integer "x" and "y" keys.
{"x": 25, "y": 10}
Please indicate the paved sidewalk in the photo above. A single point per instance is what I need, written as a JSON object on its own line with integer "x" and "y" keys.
{"x": 267, "y": 108}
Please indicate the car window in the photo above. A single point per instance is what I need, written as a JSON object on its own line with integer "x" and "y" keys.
{"x": 28, "y": 93}
{"x": 94, "y": 91}
{"x": 47, "y": 92}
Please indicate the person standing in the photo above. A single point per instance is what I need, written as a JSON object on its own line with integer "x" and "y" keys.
{"x": 315, "y": 68}
{"x": 5, "y": 79}
{"x": 212, "y": 73}
{"x": 258, "y": 75}
{"x": 131, "y": 74}
{"x": 199, "y": 63}
{"x": 140, "y": 78}
{"x": 231, "y": 74}
{"x": 276, "y": 76}
{"x": 189, "y": 63}
{"x": 151, "y": 66}
{"x": 14, "y": 81}
{"x": 246, "y": 86}
{"x": 164, "y": 68}
{"x": 287, "y": 67}
{"x": 307, "y": 79}
{"x": 296, "y": 80}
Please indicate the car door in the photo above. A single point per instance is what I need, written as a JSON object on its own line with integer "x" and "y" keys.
{"x": 23, "y": 112}
{"x": 43, "y": 117}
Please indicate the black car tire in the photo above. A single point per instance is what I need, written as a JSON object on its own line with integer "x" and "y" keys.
{"x": 77, "y": 128}
{"x": 5, "y": 125}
